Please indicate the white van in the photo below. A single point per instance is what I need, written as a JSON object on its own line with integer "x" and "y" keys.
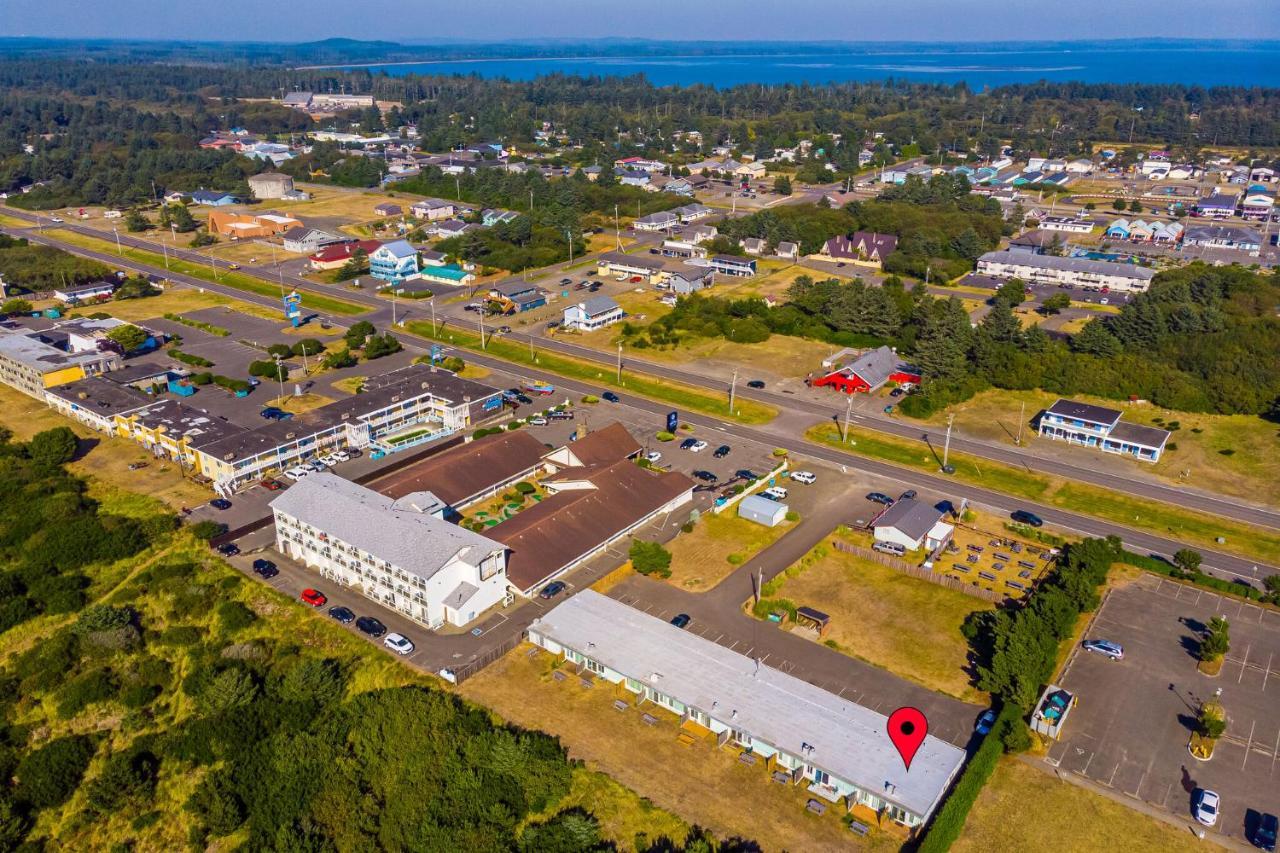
{"x": 808, "y": 478}
{"x": 296, "y": 474}
{"x": 775, "y": 493}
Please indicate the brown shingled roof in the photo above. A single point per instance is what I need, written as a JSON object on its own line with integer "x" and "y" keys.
{"x": 605, "y": 446}
{"x": 572, "y": 523}
{"x": 466, "y": 471}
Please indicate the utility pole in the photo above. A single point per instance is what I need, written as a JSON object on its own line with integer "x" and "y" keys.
{"x": 733, "y": 387}
{"x": 1022, "y": 418}
{"x": 531, "y": 199}
{"x": 116, "y": 231}
{"x": 568, "y": 235}
{"x": 619, "y": 362}
{"x": 946, "y": 447}
{"x": 617, "y": 231}
{"x": 166, "y": 254}
{"x": 432, "y": 301}
{"x": 848, "y": 413}
{"x": 393, "y": 305}
{"x": 280, "y": 376}
{"x": 483, "y": 345}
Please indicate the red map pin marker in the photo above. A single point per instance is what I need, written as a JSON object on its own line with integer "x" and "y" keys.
{"x": 907, "y": 728}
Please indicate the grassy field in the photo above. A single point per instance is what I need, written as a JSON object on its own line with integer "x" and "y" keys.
{"x": 700, "y": 783}
{"x": 103, "y": 459}
{"x": 892, "y": 620}
{"x": 239, "y": 281}
{"x": 1231, "y": 454}
{"x": 659, "y": 389}
{"x": 1194, "y": 528}
{"x": 181, "y": 300}
{"x": 700, "y": 560}
{"x": 1024, "y": 809}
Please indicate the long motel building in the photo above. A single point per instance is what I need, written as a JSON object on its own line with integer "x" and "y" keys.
{"x": 837, "y": 749}
{"x": 399, "y": 552}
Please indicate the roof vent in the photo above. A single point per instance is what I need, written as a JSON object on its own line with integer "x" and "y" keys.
{"x": 290, "y": 435}
{"x": 395, "y": 399}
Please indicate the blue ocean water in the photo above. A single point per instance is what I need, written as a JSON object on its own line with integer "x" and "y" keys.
{"x": 1248, "y": 65}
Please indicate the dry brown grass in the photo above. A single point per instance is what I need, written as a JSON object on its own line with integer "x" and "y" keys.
{"x": 700, "y": 559}
{"x": 1023, "y": 809}
{"x": 701, "y": 784}
{"x": 892, "y": 620}
{"x": 180, "y": 300}
{"x": 301, "y": 403}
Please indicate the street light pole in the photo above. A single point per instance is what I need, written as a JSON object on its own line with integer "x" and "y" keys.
{"x": 733, "y": 387}
{"x": 280, "y": 376}
{"x": 848, "y": 413}
{"x": 1022, "y": 418}
{"x": 619, "y": 362}
{"x": 432, "y": 301}
{"x": 946, "y": 447}
{"x": 482, "y": 339}
{"x": 116, "y": 231}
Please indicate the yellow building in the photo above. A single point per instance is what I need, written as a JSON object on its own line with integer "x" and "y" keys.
{"x": 31, "y": 365}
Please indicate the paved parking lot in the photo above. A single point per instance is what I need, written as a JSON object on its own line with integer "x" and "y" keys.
{"x": 1130, "y": 730}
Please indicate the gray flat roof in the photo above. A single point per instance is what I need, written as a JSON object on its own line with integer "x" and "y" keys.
{"x": 43, "y": 357}
{"x": 101, "y": 396}
{"x": 1084, "y": 265}
{"x": 390, "y": 529}
{"x": 847, "y": 740}
{"x": 1146, "y": 436}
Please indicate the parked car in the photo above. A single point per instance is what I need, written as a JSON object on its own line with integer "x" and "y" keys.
{"x": 755, "y": 383}
{"x": 273, "y": 413}
{"x": 56, "y": 219}
{"x": 698, "y": 446}
{"x": 807, "y": 478}
{"x": 1264, "y": 834}
{"x": 537, "y": 420}
{"x": 888, "y": 410}
{"x": 342, "y": 614}
{"x": 369, "y": 625}
{"x": 524, "y": 398}
{"x": 296, "y": 473}
{"x": 986, "y": 720}
{"x": 722, "y": 451}
{"x": 265, "y": 568}
{"x": 398, "y": 643}
{"x": 552, "y": 589}
{"x": 688, "y": 443}
{"x": 682, "y": 620}
{"x": 896, "y": 392}
{"x": 1115, "y": 651}
{"x": 1206, "y": 805}
{"x": 774, "y": 493}
{"x": 271, "y": 485}
{"x": 314, "y": 597}
{"x": 705, "y": 476}
{"x": 228, "y": 549}
{"x": 561, "y": 416}
{"x": 611, "y": 397}
{"x": 653, "y": 457}
{"x": 889, "y": 548}
{"x": 1023, "y": 517}
{"x": 908, "y": 495}
{"x": 220, "y": 503}
{"x": 880, "y": 498}
{"x": 137, "y": 466}
{"x": 566, "y": 281}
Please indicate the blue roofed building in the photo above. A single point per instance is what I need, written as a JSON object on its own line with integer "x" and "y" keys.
{"x": 394, "y": 261}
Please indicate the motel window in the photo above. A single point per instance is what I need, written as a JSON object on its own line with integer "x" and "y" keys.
{"x": 597, "y": 668}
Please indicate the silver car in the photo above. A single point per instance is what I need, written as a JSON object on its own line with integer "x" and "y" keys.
{"x": 1115, "y": 651}
{"x": 398, "y": 643}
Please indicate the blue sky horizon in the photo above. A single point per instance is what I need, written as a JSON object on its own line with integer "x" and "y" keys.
{"x": 849, "y": 21}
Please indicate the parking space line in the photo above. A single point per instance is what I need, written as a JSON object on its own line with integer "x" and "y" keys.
{"x": 1249, "y": 747}
{"x": 1115, "y": 770}
{"x": 1244, "y": 665}
{"x": 1267, "y": 673}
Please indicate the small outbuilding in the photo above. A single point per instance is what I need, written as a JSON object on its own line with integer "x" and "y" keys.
{"x": 761, "y": 510}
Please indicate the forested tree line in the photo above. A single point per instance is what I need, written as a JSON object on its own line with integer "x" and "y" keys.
{"x": 159, "y": 714}
{"x": 1203, "y": 339}
{"x": 104, "y": 131}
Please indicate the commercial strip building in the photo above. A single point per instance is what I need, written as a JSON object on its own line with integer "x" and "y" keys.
{"x": 838, "y": 749}
{"x": 617, "y": 263}
{"x": 32, "y": 365}
{"x": 246, "y": 226}
{"x": 400, "y": 552}
{"x": 1234, "y": 238}
{"x": 1100, "y": 427}
{"x": 1076, "y": 272}
{"x": 912, "y": 525}
{"x": 868, "y": 372}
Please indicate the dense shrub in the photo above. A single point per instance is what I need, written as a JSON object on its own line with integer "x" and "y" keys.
{"x": 49, "y": 775}
{"x": 234, "y": 616}
{"x": 650, "y": 558}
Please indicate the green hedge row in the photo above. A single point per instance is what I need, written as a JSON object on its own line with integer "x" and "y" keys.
{"x": 188, "y": 358}
{"x": 1199, "y": 578}
{"x": 949, "y": 820}
{"x": 199, "y": 324}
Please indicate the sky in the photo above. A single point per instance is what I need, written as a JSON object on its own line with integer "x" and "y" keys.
{"x": 494, "y": 20}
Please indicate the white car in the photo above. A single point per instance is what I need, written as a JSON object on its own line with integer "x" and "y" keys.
{"x": 1207, "y": 805}
{"x": 296, "y": 473}
{"x": 398, "y": 643}
{"x": 698, "y": 446}
{"x": 55, "y": 219}
{"x": 775, "y": 493}
{"x": 329, "y": 460}
{"x": 341, "y": 456}
{"x": 808, "y": 478}
{"x": 653, "y": 456}
{"x": 537, "y": 420}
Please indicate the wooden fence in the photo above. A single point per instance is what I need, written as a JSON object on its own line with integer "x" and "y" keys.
{"x": 918, "y": 572}
{"x": 466, "y": 670}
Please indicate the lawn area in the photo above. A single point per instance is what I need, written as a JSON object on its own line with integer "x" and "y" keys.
{"x": 1024, "y": 809}
{"x": 701, "y": 784}
{"x": 106, "y": 461}
{"x": 1231, "y": 454}
{"x": 301, "y": 403}
{"x": 701, "y": 559}
{"x": 239, "y": 281}
{"x": 887, "y": 618}
{"x": 658, "y": 389}
{"x": 1196, "y": 529}
{"x": 180, "y": 300}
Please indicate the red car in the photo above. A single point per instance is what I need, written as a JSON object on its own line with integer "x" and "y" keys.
{"x": 314, "y": 597}
{"x": 270, "y": 485}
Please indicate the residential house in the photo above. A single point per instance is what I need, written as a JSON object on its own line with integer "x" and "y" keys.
{"x": 445, "y": 273}
{"x": 447, "y": 228}
{"x": 869, "y": 372}
{"x": 273, "y": 185}
{"x": 387, "y": 209}
{"x": 1118, "y": 230}
{"x": 432, "y": 258}
{"x": 1080, "y": 167}
{"x": 1217, "y": 206}
{"x": 213, "y": 198}
{"x": 393, "y": 261}
{"x": 752, "y": 171}
{"x": 752, "y": 245}
{"x": 1258, "y": 203}
{"x": 595, "y": 313}
{"x": 491, "y": 217}
{"x": 95, "y": 291}
{"x": 1262, "y": 174}
{"x": 860, "y": 247}
{"x": 912, "y": 525}
{"x": 657, "y": 221}
{"x": 336, "y": 255}
{"x": 1077, "y": 272}
{"x": 513, "y": 297}
{"x": 642, "y": 164}
{"x": 1167, "y": 233}
{"x": 1140, "y": 231}
{"x": 688, "y": 279}
{"x": 1229, "y": 237}
{"x": 787, "y": 250}
{"x": 730, "y": 265}
{"x": 630, "y": 178}
{"x": 802, "y": 733}
{"x": 433, "y": 209}
{"x": 400, "y": 552}
{"x": 1099, "y": 427}
{"x": 1071, "y": 225}
{"x": 692, "y": 212}
{"x": 700, "y": 233}
{"x": 306, "y": 241}
{"x": 682, "y": 249}
{"x": 619, "y": 264}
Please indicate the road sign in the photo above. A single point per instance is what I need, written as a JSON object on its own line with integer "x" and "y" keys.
{"x": 673, "y": 421}
{"x": 293, "y": 308}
